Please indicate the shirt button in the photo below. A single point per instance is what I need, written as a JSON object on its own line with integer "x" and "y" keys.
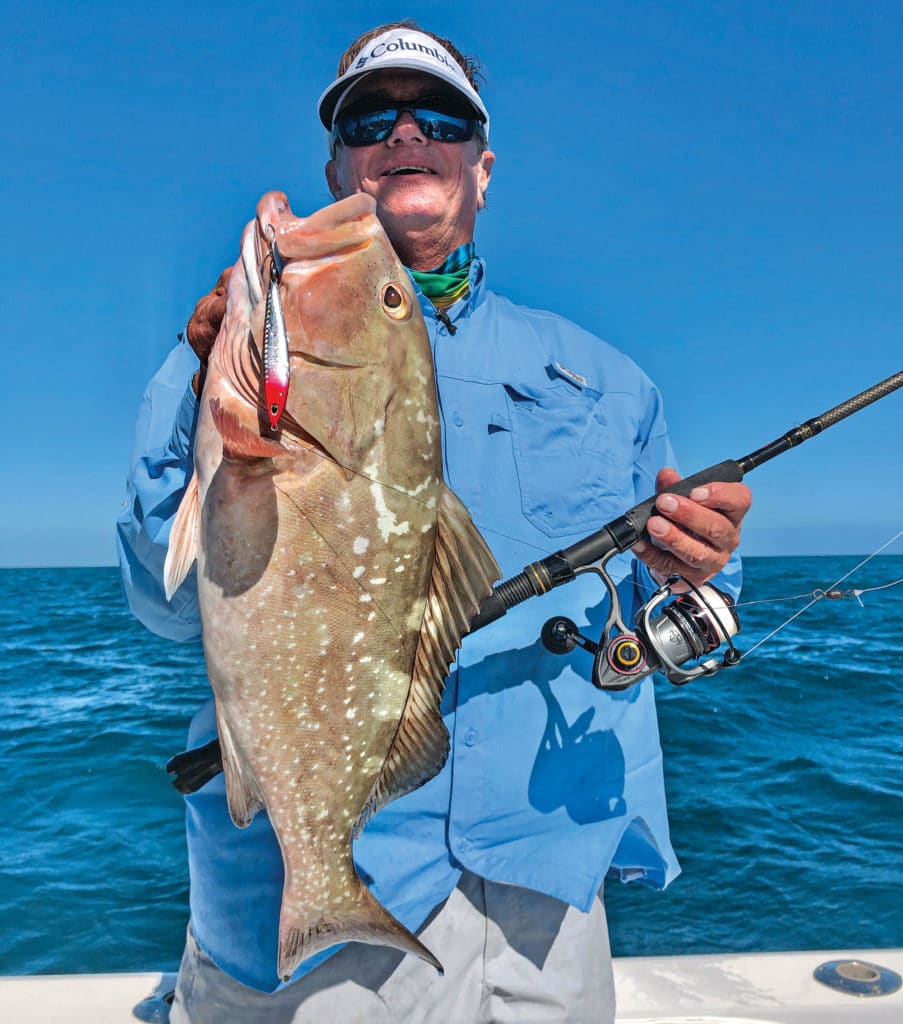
{"x": 470, "y": 738}
{"x": 458, "y": 419}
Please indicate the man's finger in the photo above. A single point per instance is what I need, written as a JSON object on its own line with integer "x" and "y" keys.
{"x": 732, "y": 500}
{"x": 710, "y": 525}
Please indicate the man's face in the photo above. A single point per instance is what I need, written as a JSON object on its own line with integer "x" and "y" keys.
{"x": 429, "y": 209}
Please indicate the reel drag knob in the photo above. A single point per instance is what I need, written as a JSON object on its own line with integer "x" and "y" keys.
{"x": 626, "y": 654}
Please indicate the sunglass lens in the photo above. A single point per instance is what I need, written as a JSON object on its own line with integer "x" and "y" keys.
{"x": 366, "y": 127}
{"x": 443, "y": 127}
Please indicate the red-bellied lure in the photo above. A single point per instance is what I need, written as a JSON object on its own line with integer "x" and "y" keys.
{"x": 275, "y": 339}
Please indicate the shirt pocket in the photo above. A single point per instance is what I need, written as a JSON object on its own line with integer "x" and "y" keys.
{"x": 574, "y": 471}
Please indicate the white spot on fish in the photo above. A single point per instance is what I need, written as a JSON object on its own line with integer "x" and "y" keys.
{"x": 360, "y": 545}
{"x": 379, "y": 579}
{"x": 351, "y": 712}
{"x": 365, "y": 597}
{"x": 358, "y": 572}
{"x": 386, "y": 520}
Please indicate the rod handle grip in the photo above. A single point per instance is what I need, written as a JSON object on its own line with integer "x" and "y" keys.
{"x": 729, "y": 472}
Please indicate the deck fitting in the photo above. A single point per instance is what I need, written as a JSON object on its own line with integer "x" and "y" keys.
{"x": 857, "y": 977}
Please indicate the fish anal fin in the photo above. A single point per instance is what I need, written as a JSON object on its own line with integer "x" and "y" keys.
{"x": 183, "y": 540}
{"x": 242, "y": 792}
{"x": 240, "y": 443}
{"x": 362, "y": 919}
{"x": 463, "y": 573}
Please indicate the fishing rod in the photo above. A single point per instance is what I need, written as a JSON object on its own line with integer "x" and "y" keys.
{"x": 668, "y": 634}
{"x": 696, "y": 623}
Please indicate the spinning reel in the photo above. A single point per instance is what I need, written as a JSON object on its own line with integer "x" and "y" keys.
{"x": 685, "y": 629}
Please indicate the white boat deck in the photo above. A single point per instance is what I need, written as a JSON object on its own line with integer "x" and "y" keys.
{"x": 749, "y": 988}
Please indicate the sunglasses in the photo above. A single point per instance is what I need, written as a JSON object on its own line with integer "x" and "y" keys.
{"x": 440, "y": 118}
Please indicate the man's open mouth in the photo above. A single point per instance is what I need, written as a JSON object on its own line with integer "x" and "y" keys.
{"x": 408, "y": 169}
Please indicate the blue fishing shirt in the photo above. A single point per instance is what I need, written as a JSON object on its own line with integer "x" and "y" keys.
{"x": 548, "y": 434}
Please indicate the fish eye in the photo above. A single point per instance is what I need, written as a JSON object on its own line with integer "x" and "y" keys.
{"x": 395, "y": 301}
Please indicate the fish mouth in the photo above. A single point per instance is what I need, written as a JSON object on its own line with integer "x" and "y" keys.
{"x": 342, "y": 227}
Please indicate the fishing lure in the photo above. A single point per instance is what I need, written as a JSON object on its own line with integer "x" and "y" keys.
{"x": 276, "y": 370}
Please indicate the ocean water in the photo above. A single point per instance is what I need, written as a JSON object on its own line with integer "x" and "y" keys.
{"x": 784, "y": 777}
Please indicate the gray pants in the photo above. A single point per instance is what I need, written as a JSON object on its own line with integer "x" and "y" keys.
{"x": 509, "y": 955}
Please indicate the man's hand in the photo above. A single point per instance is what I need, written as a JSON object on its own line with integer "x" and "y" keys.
{"x": 694, "y": 536}
{"x": 205, "y": 321}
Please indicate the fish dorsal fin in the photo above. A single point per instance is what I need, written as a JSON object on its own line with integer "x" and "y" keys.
{"x": 183, "y": 540}
{"x": 463, "y": 573}
{"x": 242, "y": 791}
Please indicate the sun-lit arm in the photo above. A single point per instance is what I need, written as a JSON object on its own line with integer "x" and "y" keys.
{"x": 161, "y": 467}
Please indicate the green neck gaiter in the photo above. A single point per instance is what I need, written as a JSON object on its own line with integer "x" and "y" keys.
{"x": 449, "y": 282}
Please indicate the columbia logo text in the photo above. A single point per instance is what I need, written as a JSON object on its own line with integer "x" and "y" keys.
{"x": 402, "y": 44}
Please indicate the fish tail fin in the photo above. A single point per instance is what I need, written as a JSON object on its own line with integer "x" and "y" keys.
{"x": 183, "y": 540}
{"x": 366, "y": 920}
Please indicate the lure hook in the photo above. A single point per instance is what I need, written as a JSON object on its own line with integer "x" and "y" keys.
{"x": 277, "y": 260}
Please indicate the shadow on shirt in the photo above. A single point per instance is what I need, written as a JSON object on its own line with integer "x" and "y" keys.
{"x": 576, "y": 767}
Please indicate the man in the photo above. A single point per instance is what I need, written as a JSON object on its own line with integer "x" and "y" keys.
{"x": 548, "y": 433}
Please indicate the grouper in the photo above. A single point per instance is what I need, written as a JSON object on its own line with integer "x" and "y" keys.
{"x": 337, "y": 572}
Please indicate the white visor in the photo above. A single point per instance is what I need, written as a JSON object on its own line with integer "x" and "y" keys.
{"x": 411, "y": 51}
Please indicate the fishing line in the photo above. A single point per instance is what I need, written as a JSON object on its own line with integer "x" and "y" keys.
{"x": 818, "y": 595}
{"x": 831, "y": 595}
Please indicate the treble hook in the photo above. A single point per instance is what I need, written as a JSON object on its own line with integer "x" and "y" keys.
{"x": 277, "y": 261}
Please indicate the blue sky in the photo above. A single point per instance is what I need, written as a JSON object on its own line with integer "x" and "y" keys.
{"x": 715, "y": 188}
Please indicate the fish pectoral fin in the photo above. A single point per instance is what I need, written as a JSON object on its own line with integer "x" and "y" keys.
{"x": 463, "y": 573}
{"x": 183, "y": 540}
{"x": 240, "y": 443}
{"x": 361, "y": 918}
{"x": 242, "y": 791}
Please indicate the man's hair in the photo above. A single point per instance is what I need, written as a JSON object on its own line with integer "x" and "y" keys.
{"x": 471, "y": 66}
